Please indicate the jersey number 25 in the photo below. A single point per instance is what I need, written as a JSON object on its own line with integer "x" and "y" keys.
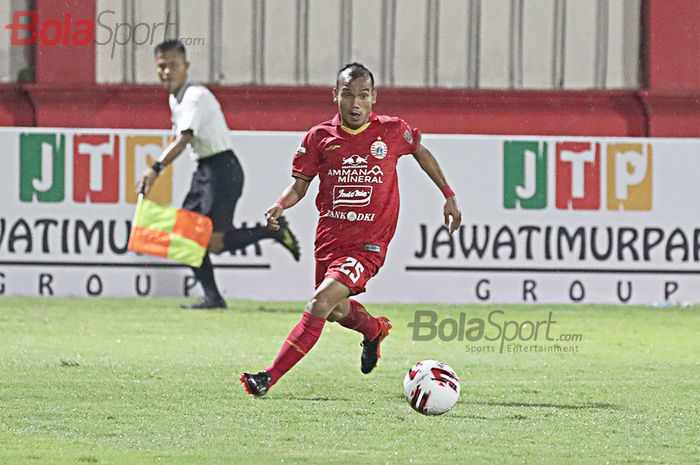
{"x": 352, "y": 268}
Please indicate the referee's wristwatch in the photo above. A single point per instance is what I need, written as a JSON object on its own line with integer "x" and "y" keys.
{"x": 157, "y": 167}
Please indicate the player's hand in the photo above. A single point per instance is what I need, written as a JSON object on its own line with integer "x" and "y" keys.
{"x": 451, "y": 211}
{"x": 272, "y": 214}
{"x": 146, "y": 181}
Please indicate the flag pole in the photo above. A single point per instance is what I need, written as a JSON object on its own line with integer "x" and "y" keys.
{"x": 137, "y": 213}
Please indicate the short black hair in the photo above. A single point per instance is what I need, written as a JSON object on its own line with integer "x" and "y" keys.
{"x": 356, "y": 70}
{"x": 171, "y": 44}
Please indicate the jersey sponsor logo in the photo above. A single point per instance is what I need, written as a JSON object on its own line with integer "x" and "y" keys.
{"x": 379, "y": 149}
{"x": 355, "y": 161}
{"x": 352, "y": 196}
{"x": 361, "y": 175}
{"x": 350, "y": 216}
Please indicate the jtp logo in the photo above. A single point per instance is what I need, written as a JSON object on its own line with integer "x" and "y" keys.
{"x": 579, "y": 175}
{"x": 96, "y": 167}
{"x": 42, "y": 161}
{"x": 629, "y": 170}
{"x": 525, "y": 175}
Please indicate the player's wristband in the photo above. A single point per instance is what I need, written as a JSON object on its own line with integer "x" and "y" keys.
{"x": 157, "y": 167}
{"x": 281, "y": 203}
{"x": 447, "y": 192}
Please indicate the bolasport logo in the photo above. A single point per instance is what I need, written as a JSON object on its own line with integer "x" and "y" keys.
{"x": 27, "y": 28}
{"x": 498, "y": 332}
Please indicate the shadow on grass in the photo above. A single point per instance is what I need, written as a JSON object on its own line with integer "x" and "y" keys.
{"x": 307, "y": 399}
{"x": 277, "y": 310}
{"x": 470, "y": 417}
{"x": 590, "y": 406}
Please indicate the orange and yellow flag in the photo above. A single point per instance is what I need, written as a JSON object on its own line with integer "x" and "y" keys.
{"x": 167, "y": 232}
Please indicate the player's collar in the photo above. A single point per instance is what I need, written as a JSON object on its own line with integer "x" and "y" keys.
{"x": 338, "y": 122}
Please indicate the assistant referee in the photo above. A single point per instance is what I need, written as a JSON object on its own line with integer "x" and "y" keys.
{"x": 217, "y": 182}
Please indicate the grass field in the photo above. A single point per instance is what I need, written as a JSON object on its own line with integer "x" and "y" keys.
{"x": 135, "y": 381}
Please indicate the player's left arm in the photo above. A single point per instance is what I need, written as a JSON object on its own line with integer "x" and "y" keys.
{"x": 428, "y": 163}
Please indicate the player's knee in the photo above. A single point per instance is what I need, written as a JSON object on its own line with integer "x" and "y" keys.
{"x": 320, "y": 306}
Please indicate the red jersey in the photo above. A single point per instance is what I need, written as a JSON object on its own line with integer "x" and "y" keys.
{"x": 358, "y": 196}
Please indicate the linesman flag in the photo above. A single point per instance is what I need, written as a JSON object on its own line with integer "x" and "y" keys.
{"x": 167, "y": 232}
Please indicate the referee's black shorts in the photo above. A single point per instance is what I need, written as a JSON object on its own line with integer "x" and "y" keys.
{"x": 216, "y": 187}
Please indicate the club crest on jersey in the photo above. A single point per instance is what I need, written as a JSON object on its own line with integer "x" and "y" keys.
{"x": 379, "y": 149}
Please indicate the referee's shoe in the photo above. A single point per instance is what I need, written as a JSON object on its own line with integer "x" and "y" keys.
{"x": 206, "y": 303}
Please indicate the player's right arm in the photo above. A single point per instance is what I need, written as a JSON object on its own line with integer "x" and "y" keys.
{"x": 304, "y": 168}
{"x": 290, "y": 197}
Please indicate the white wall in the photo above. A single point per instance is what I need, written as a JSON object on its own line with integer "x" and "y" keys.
{"x": 13, "y": 59}
{"x": 285, "y": 42}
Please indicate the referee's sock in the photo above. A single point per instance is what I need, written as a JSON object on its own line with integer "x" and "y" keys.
{"x": 240, "y": 238}
{"x": 205, "y": 276}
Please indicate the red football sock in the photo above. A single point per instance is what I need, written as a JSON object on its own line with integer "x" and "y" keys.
{"x": 300, "y": 340}
{"x": 359, "y": 320}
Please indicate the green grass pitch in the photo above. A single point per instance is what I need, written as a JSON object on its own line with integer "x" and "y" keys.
{"x": 136, "y": 381}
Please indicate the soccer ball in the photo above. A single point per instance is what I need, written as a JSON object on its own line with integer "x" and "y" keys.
{"x": 431, "y": 387}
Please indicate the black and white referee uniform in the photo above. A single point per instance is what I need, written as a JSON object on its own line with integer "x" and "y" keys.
{"x": 217, "y": 183}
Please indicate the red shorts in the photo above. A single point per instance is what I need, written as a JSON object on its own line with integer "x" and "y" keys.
{"x": 352, "y": 269}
